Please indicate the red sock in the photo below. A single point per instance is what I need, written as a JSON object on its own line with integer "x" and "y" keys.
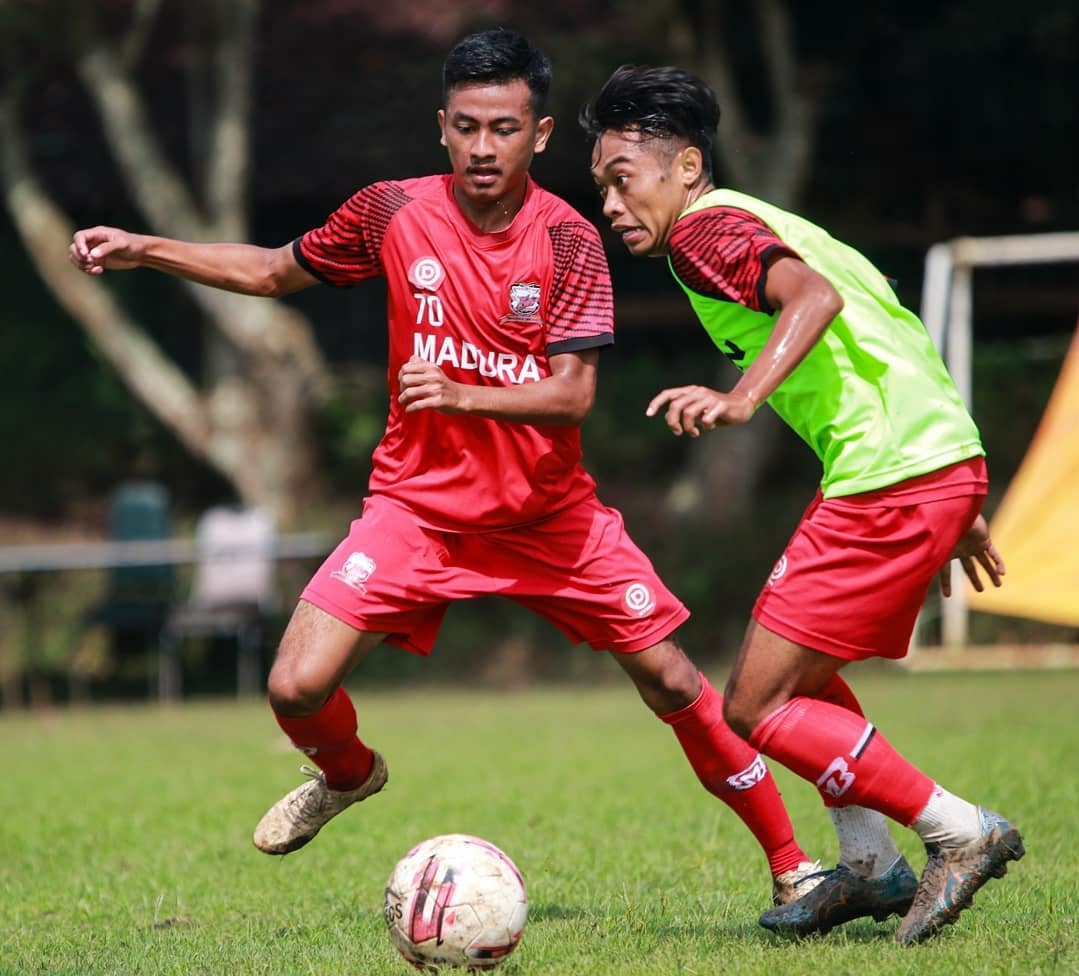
{"x": 845, "y": 757}
{"x": 838, "y": 692}
{"x": 329, "y": 739}
{"x": 732, "y": 770}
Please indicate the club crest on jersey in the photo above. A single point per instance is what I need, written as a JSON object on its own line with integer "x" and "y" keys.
{"x": 356, "y": 571}
{"x": 426, "y": 273}
{"x": 525, "y": 299}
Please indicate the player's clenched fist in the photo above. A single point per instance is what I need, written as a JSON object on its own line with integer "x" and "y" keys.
{"x": 425, "y": 387}
{"x": 99, "y": 248}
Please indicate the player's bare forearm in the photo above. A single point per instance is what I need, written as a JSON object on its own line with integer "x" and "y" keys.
{"x": 789, "y": 344}
{"x": 562, "y": 399}
{"x": 243, "y": 268}
{"x": 547, "y": 402}
{"x": 551, "y": 401}
{"x": 808, "y": 303}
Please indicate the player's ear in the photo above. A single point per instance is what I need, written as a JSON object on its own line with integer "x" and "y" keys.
{"x": 690, "y": 165}
{"x": 442, "y": 126}
{"x": 544, "y": 128}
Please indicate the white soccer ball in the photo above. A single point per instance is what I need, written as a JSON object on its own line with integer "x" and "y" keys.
{"x": 455, "y": 901}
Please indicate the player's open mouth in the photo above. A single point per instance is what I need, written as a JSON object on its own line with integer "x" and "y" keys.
{"x": 632, "y": 235}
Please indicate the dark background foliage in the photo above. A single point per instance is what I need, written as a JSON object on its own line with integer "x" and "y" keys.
{"x": 938, "y": 120}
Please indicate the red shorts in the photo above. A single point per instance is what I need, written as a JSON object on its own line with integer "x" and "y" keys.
{"x": 578, "y": 569}
{"x": 857, "y": 570}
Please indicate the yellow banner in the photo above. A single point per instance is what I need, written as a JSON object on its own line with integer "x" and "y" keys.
{"x": 1036, "y": 527}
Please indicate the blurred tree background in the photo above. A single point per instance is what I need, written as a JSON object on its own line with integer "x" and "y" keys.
{"x": 895, "y": 126}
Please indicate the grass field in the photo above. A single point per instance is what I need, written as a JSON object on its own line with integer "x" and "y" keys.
{"x": 125, "y": 836}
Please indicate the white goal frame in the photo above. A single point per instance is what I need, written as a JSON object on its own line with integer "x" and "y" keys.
{"x": 947, "y": 311}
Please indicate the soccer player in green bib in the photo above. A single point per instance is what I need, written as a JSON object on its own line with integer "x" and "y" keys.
{"x": 819, "y": 334}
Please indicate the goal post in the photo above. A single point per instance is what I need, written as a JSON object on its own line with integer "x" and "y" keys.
{"x": 947, "y": 311}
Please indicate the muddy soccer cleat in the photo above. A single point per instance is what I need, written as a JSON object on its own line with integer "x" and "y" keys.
{"x": 842, "y": 895}
{"x": 792, "y": 885}
{"x": 297, "y": 817}
{"x": 952, "y": 875}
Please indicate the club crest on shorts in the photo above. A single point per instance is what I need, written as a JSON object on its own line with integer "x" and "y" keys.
{"x": 356, "y": 571}
{"x": 426, "y": 273}
{"x": 639, "y": 599}
{"x": 525, "y": 299}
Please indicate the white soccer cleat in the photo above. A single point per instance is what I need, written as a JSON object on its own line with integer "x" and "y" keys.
{"x": 791, "y": 885}
{"x": 297, "y": 817}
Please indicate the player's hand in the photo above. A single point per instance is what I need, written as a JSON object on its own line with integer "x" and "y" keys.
{"x": 974, "y": 549}
{"x": 425, "y": 387}
{"x": 690, "y": 408}
{"x": 99, "y": 248}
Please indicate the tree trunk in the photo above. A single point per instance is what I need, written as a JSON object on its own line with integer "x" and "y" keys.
{"x": 251, "y": 416}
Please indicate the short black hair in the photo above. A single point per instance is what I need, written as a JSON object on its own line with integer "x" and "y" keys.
{"x": 660, "y": 102}
{"x": 498, "y": 56}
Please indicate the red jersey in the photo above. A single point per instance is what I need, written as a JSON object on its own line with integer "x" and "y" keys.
{"x": 488, "y": 309}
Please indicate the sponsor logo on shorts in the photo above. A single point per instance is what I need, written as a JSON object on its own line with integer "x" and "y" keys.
{"x": 750, "y": 776}
{"x": 779, "y": 570}
{"x": 639, "y": 599}
{"x": 356, "y": 571}
{"x": 837, "y": 778}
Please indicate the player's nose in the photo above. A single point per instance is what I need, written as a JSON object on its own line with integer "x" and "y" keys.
{"x": 482, "y": 145}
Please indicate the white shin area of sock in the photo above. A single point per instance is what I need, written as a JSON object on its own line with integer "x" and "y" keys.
{"x": 948, "y": 819}
{"x": 865, "y": 843}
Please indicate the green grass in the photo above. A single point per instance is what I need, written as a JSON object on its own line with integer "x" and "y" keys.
{"x": 125, "y": 836}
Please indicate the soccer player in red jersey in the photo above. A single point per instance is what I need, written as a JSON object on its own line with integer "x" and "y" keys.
{"x": 820, "y": 335}
{"x": 499, "y": 301}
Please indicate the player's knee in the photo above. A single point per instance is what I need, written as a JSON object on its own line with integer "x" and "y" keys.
{"x": 295, "y": 693}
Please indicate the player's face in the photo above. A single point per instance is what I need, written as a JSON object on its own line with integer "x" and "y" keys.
{"x": 645, "y": 184}
{"x": 492, "y": 133}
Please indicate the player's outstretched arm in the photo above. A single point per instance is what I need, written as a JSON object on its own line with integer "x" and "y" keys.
{"x": 974, "y": 549}
{"x": 244, "y": 268}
